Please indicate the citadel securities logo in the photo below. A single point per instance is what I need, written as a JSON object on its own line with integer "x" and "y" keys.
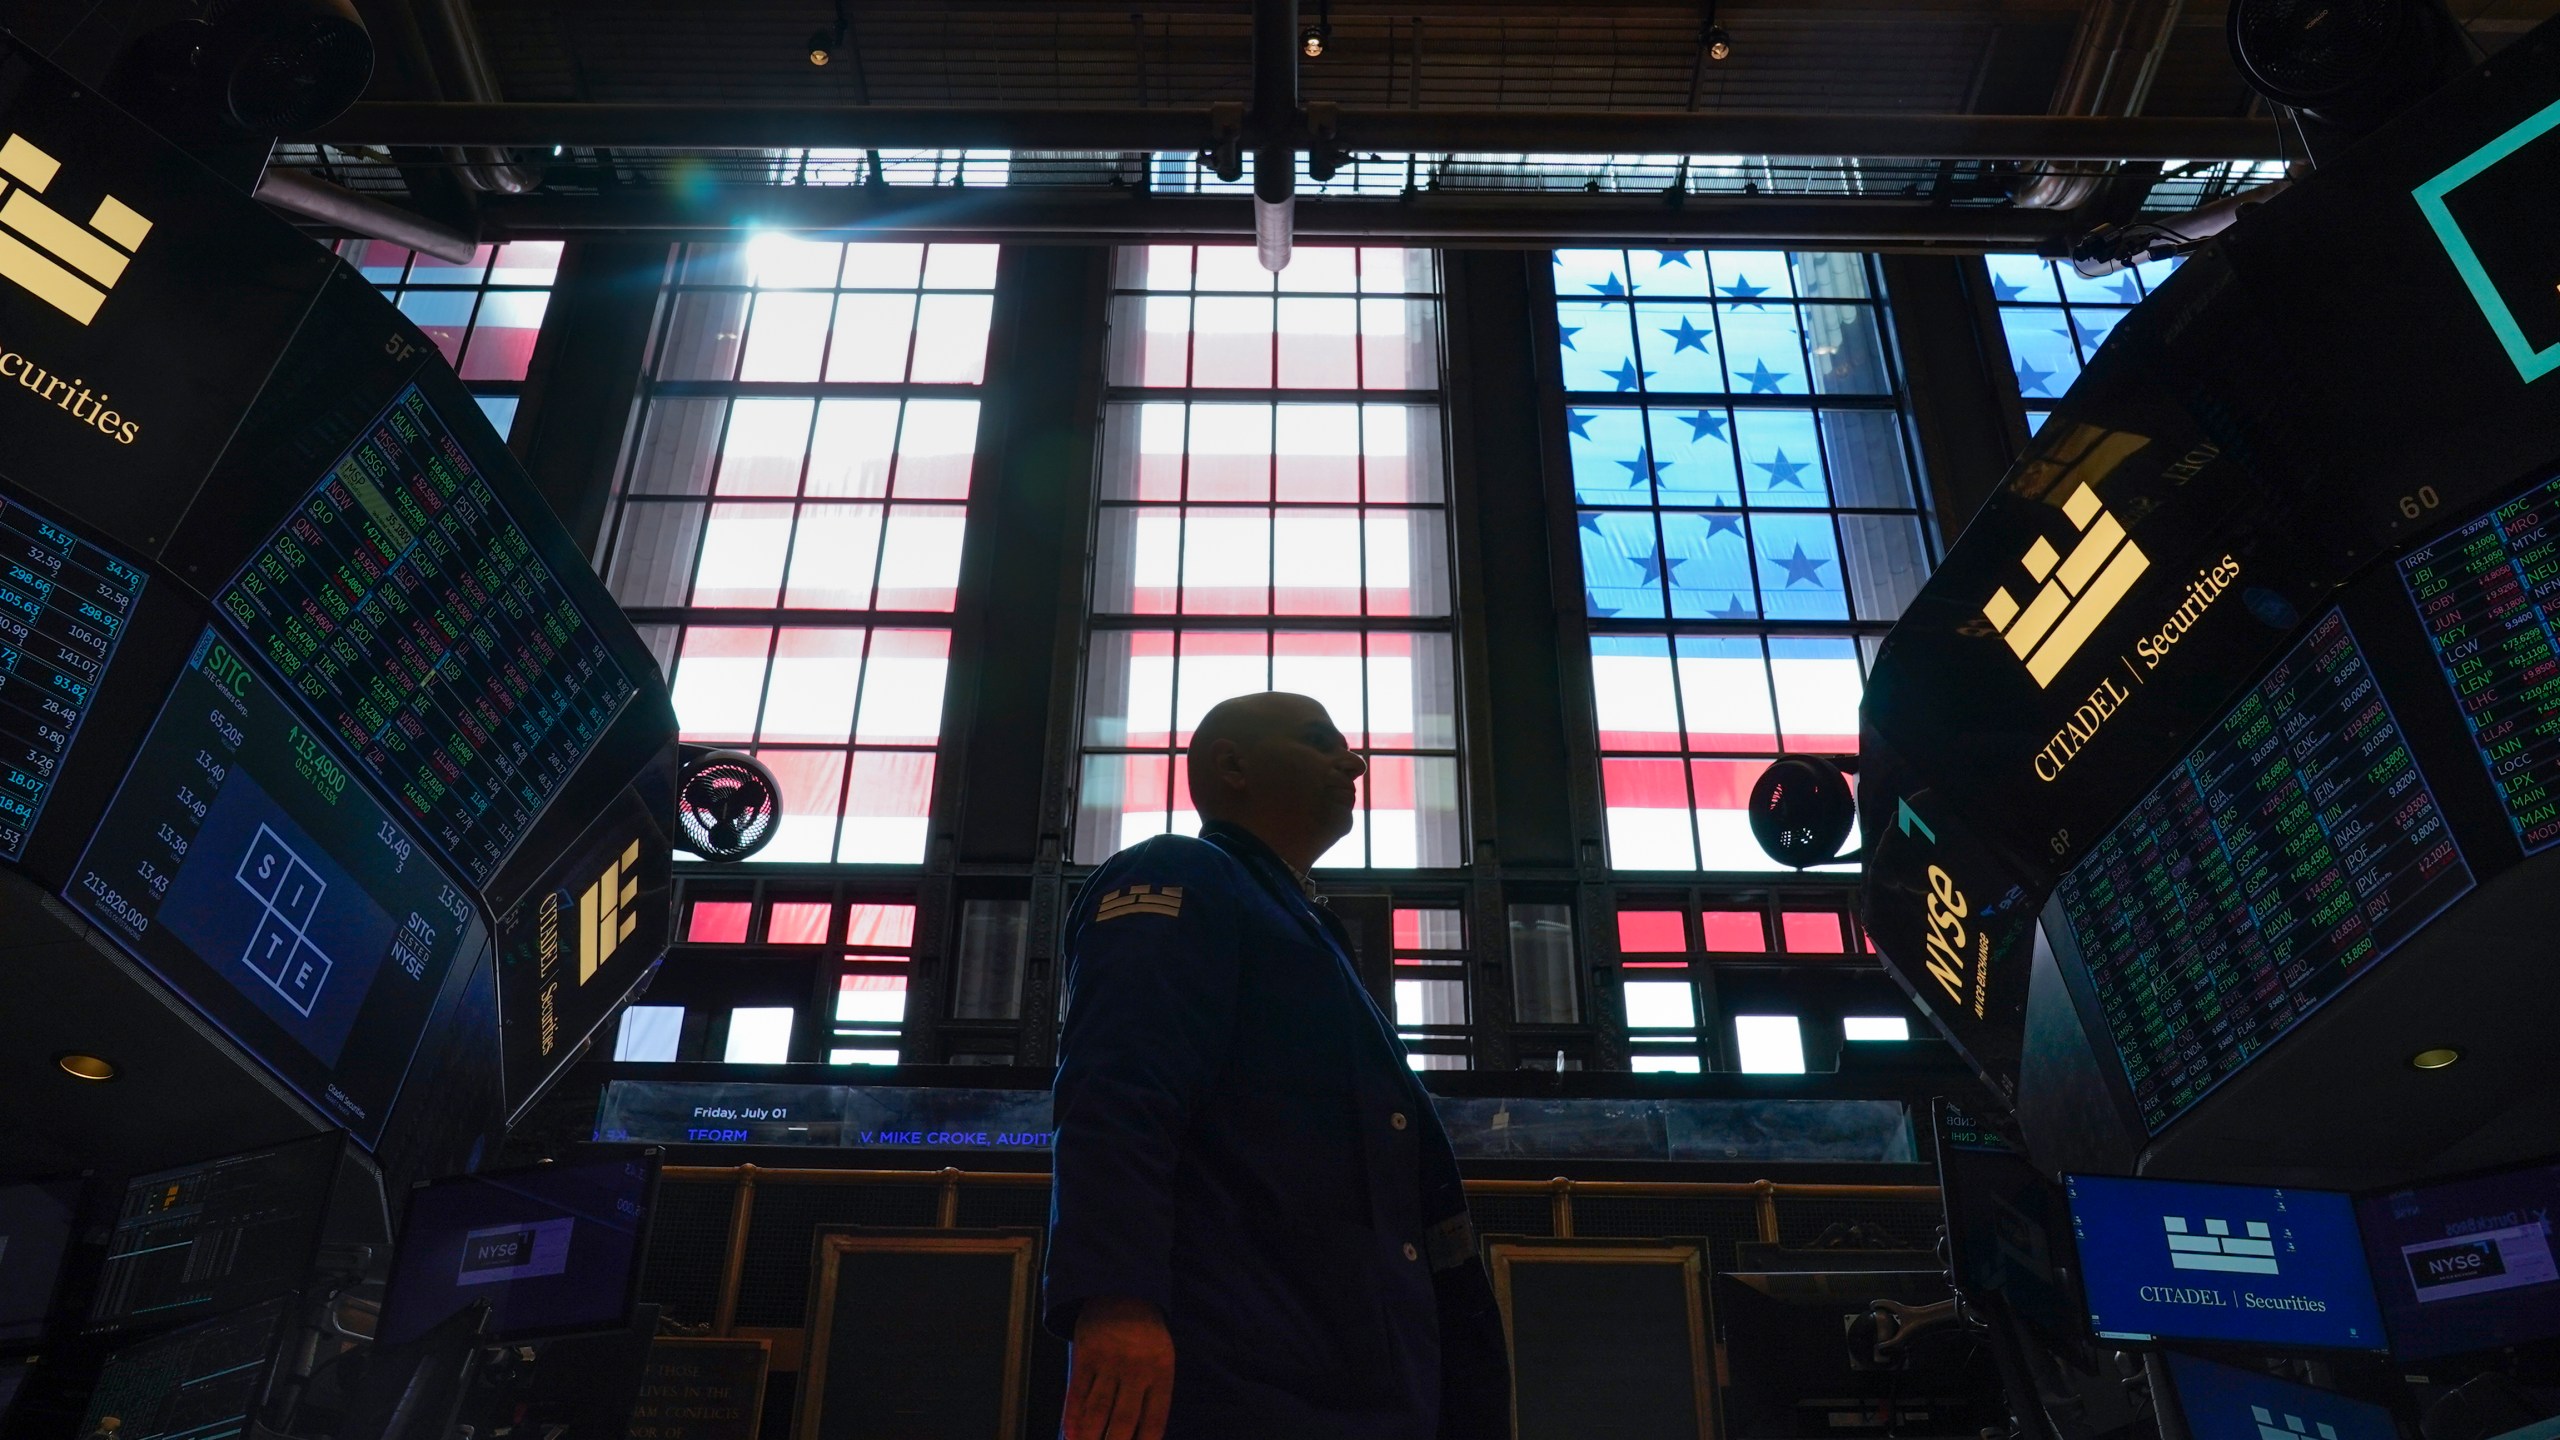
{"x": 44, "y": 252}
{"x": 2253, "y": 1253}
{"x": 603, "y": 921}
{"x": 2077, "y": 591}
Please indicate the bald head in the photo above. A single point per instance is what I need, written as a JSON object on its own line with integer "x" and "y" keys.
{"x": 1275, "y": 764}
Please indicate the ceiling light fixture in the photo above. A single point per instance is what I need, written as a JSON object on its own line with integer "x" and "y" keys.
{"x": 2435, "y": 1059}
{"x": 1719, "y": 43}
{"x": 85, "y": 1067}
{"x": 822, "y": 48}
{"x": 1313, "y": 39}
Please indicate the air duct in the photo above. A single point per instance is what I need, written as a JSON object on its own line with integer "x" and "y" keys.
{"x": 462, "y": 64}
{"x": 2114, "y": 57}
{"x": 313, "y": 198}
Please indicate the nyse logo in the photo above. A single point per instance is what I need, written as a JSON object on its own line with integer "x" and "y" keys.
{"x": 2253, "y": 1253}
{"x": 604, "y": 917}
{"x": 44, "y": 252}
{"x": 2075, "y": 592}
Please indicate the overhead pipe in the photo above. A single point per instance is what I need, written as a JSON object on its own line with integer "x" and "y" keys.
{"x": 1275, "y": 122}
{"x": 1883, "y": 136}
{"x": 486, "y": 168}
{"x": 2104, "y": 75}
{"x": 313, "y": 198}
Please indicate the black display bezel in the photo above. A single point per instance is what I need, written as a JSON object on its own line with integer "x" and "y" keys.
{"x": 654, "y": 1157}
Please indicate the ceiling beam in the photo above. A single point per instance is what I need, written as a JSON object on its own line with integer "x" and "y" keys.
{"x": 1526, "y": 221}
{"x": 1877, "y": 136}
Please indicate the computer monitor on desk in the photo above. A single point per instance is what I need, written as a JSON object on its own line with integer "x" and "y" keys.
{"x": 554, "y": 1250}
{"x": 2166, "y": 1260}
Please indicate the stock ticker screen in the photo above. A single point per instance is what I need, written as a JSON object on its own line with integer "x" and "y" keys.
{"x": 241, "y": 861}
{"x": 64, "y": 606}
{"x": 2293, "y": 848}
{"x": 405, "y": 602}
{"x": 2485, "y": 595}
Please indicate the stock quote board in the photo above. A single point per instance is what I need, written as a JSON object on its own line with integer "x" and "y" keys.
{"x": 2160, "y": 705}
{"x": 305, "y": 695}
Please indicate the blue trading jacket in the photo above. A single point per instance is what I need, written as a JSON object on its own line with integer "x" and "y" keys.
{"x": 1241, "y": 1143}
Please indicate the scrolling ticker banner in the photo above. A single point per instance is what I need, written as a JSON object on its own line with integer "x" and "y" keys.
{"x": 2352, "y": 365}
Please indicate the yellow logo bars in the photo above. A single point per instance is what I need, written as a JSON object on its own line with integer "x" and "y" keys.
{"x": 1140, "y": 900}
{"x": 2080, "y": 589}
{"x": 47, "y": 272}
{"x": 603, "y": 923}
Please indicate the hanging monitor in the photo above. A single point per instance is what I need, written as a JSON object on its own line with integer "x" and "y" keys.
{"x": 554, "y": 1250}
{"x": 2166, "y": 1260}
{"x": 244, "y": 863}
{"x": 2223, "y": 1402}
{"x": 2466, "y": 1264}
{"x": 212, "y": 1237}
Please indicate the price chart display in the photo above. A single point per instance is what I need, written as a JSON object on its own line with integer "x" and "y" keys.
{"x": 2485, "y": 594}
{"x": 2291, "y": 850}
{"x": 64, "y": 606}
{"x": 407, "y": 605}
{"x": 242, "y": 861}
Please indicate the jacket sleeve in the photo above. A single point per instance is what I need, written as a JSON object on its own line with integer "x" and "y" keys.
{"x": 1151, "y": 999}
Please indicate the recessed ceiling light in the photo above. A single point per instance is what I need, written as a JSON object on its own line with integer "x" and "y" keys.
{"x": 85, "y": 1067}
{"x": 2435, "y": 1059}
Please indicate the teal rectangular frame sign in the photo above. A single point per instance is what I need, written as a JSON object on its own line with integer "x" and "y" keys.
{"x": 2531, "y": 363}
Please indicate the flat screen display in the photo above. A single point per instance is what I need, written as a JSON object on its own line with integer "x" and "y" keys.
{"x": 2465, "y": 1264}
{"x": 64, "y": 606}
{"x": 205, "y": 1382}
{"x": 2006, "y": 1227}
{"x": 2486, "y": 596}
{"x": 216, "y": 1235}
{"x": 2222, "y": 1402}
{"x": 241, "y": 862}
{"x": 554, "y": 1250}
{"x": 409, "y": 607}
{"x": 2169, "y": 1260}
{"x": 2292, "y": 849}
{"x": 36, "y": 1222}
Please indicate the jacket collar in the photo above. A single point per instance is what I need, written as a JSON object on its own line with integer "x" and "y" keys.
{"x": 1249, "y": 847}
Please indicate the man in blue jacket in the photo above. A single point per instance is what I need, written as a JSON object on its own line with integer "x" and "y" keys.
{"x": 1256, "y": 1227}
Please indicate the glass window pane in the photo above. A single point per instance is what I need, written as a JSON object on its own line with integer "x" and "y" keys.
{"x": 1818, "y": 688}
{"x": 1430, "y": 929}
{"x": 1768, "y": 1045}
{"x": 862, "y": 1057}
{"x": 702, "y": 334}
{"x": 883, "y": 265}
{"x": 1781, "y": 459}
{"x": 798, "y": 922}
{"x": 653, "y": 556}
{"x": 1321, "y": 269}
{"x": 2040, "y": 348}
{"x": 1647, "y": 805}
{"x": 871, "y": 337}
{"x": 1612, "y": 458}
{"x": 1664, "y": 1064}
{"x": 1430, "y": 1002}
{"x": 1318, "y": 453}
{"x": 1231, "y": 342}
{"x": 759, "y": 1035}
{"x": 850, "y": 453}
{"x": 2022, "y": 277}
{"x": 1735, "y": 932}
{"x": 526, "y": 262}
{"x": 951, "y": 339}
{"x": 1752, "y": 275}
{"x": 1707, "y": 562}
{"x": 1319, "y": 344}
{"x": 501, "y": 412}
{"x": 776, "y": 261}
{"x": 920, "y": 557}
{"x": 503, "y": 334}
{"x": 786, "y": 336}
{"x": 995, "y": 937}
{"x": 868, "y": 923}
{"x": 718, "y": 922}
{"x": 902, "y": 687}
{"x": 649, "y": 1033}
{"x": 762, "y": 452}
{"x": 1693, "y": 456}
{"x": 816, "y": 675}
{"x": 1121, "y": 800}
{"x": 833, "y": 554}
{"x": 1401, "y": 454}
{"x": 1724, "y": 823}
{"x": 1812, "y": 932}
{"x": 1651, "y": 932}
{"x": 1874, "y": 1027}
{"x": 1799, "y": 567}
{"x": 937, "y": 447}
{"x": 1725, "y": 694}
{"x": 718, "y": 681}
{"x": 1863, "y": 454}
{"x": 1667, "y": 273}
{"x": 1661, "y": 1005}
{"x": 1678, "y": 346}
{"x": 1230, "y": 452}
{"x": 871, "y": 999}
{"x": 888, "y": 796}
{"x": 743, "y": 549}
{"x": 1226, "y": 562}
{"x": 952, "y": 267}
{"x": 445, "y": 315}
{"x": 1544, "y": 990}
{"x": 1590, "y": 272}
{"x": 1887, "y": 563}
{"x": 1833, "y": 275}
{"x": 1637, "y": 705}
{"x": 1597, "y": 345}
{"x": 812, "y": 800}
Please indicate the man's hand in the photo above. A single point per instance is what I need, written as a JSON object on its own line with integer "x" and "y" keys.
{"x": 1122, "y": 1380}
